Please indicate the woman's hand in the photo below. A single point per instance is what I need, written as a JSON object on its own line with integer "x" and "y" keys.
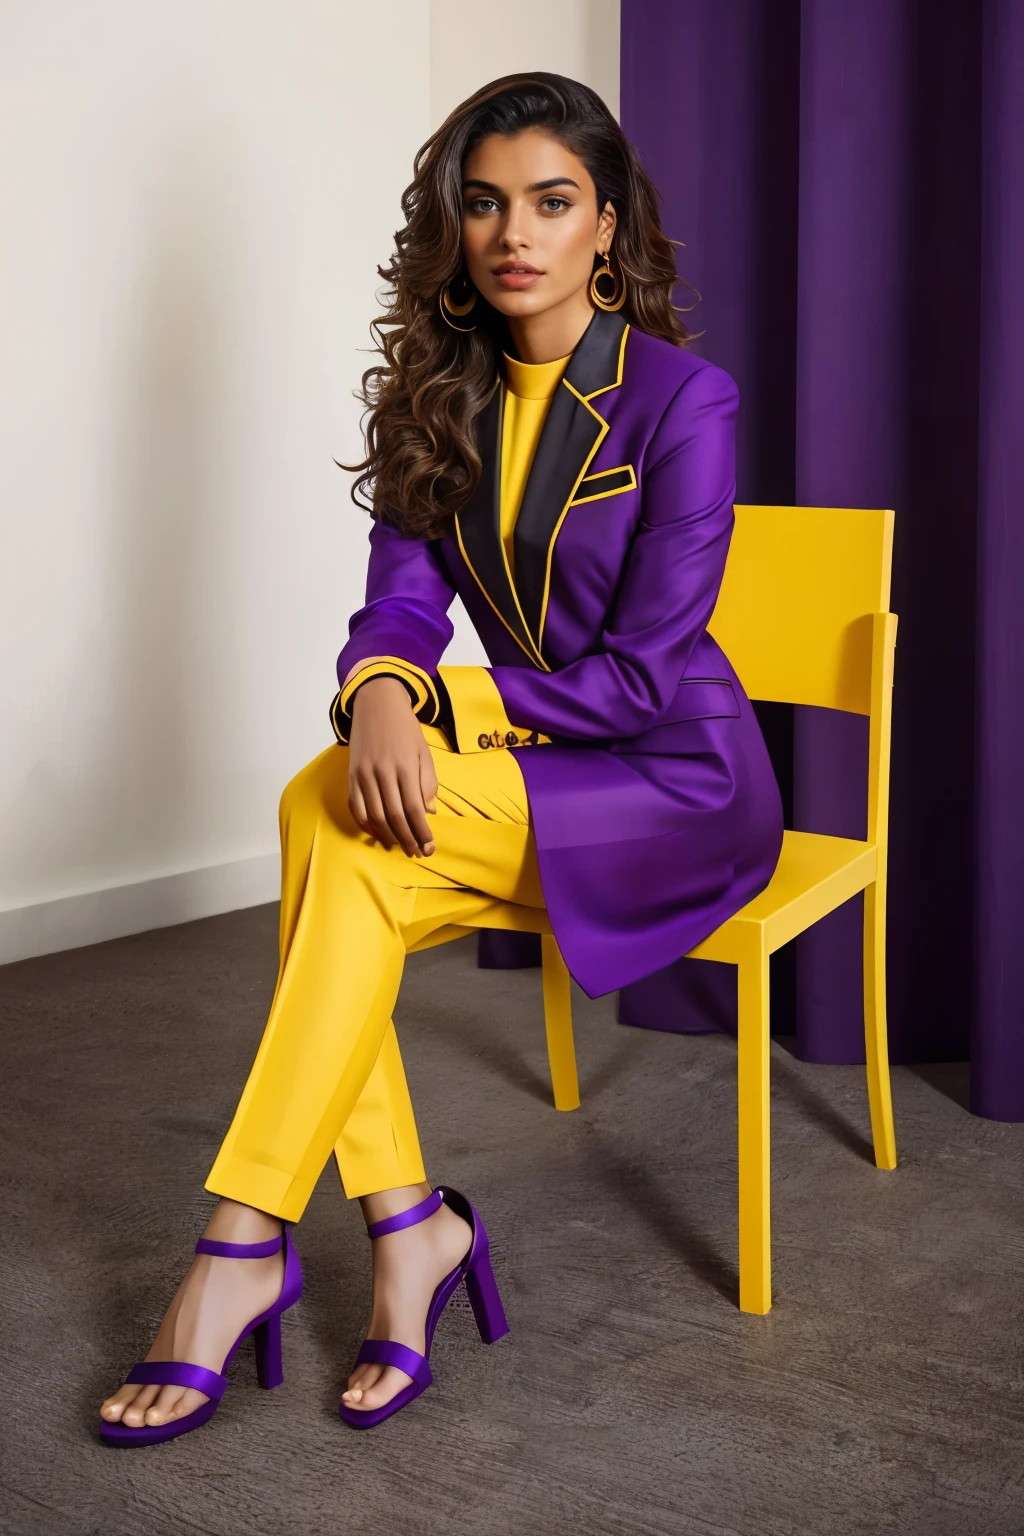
{"x": 391, "y": 780}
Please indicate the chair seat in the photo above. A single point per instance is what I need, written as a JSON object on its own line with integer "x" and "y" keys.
{"x": 815, "y": 874}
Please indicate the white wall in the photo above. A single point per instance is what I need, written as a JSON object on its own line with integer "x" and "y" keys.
{"x": 471, "y": 44}
{"x": 195, "y": 199}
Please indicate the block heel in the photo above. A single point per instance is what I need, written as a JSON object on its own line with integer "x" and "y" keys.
{"x": 474, "y": 1271}
{"x": 267, "y": 1339}
{"x": 484, "y": 1298}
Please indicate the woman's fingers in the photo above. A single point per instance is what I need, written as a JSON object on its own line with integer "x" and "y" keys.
{"x": 392, "y": 782}
{"x": 356, "y": 803}
{"x": 385, "y": 792}
{"x": 428, "y": 791}
{"x": 376, "y": 818}
{"x": 394, "y": 810}
{"x": 415, "y": 810}
{"x": 388, "y": 803}
{"x": 428, "y": 779}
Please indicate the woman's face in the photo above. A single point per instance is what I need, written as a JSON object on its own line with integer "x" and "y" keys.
{"x": 530, "y": 223}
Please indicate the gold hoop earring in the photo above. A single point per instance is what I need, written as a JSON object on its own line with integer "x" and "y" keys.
{"x": 448, "y": 306}
{"x": 618, "y": 294}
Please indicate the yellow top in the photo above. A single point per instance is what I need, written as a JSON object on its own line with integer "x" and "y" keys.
{"x": 530, "y": 387}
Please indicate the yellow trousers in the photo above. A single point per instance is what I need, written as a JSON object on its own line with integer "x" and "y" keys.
{"x": 328, "y": 1074}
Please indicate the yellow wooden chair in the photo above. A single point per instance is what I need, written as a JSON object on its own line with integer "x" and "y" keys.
{"x": 803, "y": 617}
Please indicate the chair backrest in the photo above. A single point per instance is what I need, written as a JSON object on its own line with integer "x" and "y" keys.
{"x": 795, "y": 614}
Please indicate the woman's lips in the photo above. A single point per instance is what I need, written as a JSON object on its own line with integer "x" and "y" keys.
{"x": 518, "y": 279}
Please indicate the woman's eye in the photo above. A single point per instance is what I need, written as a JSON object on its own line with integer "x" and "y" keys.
{"x": 555, "y": 204}
{"x": 483, "y": 205}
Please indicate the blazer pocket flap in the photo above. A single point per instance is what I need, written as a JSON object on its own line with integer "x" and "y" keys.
{"x": 701, "y": 698}
{"x": 697, "y": 698}
{"x": 607, "y": 482}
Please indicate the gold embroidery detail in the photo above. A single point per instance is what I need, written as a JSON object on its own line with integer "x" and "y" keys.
{"x": 500, "y": 738}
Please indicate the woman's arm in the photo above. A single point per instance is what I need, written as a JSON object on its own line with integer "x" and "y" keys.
{"x": 386, "y": 675}
{"x": 403, "y": 627}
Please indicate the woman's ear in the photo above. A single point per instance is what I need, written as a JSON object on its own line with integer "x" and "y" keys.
{"x": 606, "y": 226}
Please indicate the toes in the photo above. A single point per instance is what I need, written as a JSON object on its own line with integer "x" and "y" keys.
{"x": 389, "y": 1383}
{"x": 362, "y": 1378}
{"x": 139, "y": 1407}
{"x": 113, "y": 1407}
{"x": 174, "y": 1403}
{"x": 163, "y": 1408}
{"x": 134, "y": 1414}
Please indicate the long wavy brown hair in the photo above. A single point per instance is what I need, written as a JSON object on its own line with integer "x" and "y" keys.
{"x": 422, "y": 462}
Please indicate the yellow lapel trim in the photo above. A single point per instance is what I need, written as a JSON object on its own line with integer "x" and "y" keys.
{"x": 618, "y": 490}
{"x": 533, "y": 654}
{"x": 618, "y": 372}
{"x": 584, "y": 400}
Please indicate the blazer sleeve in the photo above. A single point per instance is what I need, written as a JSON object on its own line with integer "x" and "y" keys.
{"x": 669, "y": 584}
{"x": 402, "y": 629}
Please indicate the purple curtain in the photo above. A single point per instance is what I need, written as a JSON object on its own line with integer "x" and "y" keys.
{"x": 848, "y": 181}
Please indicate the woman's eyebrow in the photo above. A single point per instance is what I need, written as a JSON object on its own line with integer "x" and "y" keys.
{"x": 536, "y": 186}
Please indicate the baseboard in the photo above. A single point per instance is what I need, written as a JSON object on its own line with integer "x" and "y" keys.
{"x": 43, "y": 927}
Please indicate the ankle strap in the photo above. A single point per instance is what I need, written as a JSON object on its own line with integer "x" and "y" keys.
{"x": 410, "y": 1218}
{"x": 240, "y": 1250}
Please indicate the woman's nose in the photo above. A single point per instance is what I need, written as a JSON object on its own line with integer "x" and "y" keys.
{"x": 513, "y": 234}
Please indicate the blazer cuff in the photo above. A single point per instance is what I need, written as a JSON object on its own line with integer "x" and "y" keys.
{"x": 473, "y": 716}
{"x": 426, "y": 702}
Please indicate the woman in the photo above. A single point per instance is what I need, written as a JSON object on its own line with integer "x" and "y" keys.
{"x": 541, "y": 444}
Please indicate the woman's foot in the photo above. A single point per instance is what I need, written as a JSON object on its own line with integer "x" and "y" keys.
{"x": 408, "y": 1266}
{"x": 211, "y": 1307}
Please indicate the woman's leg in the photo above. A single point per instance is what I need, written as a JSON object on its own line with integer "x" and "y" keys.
{"x": 350, "y": 909}
{"x": 410, "y": 1264}
{"x": 341, "y": 963}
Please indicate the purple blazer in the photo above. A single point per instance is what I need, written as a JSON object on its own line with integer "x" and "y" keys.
{"x": 653, "y": 802}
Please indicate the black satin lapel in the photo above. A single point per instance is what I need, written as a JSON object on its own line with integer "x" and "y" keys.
{"x": 571, "y": 432}
{"x": 595, "y": 362}
{"x": 479, "y": 525}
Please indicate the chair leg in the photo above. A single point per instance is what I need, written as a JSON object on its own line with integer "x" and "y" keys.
{"x": 875, "y": 1035}
{"x": 753, "y": 1058}
{"x": 558, "y": 1025}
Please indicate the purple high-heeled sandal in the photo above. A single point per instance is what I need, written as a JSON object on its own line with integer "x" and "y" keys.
{"x": 178, "y": 1373}
{"x": 475, "y": 1270}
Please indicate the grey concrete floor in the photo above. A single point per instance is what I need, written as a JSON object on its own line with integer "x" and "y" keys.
{"x": 884, "y": 1392}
